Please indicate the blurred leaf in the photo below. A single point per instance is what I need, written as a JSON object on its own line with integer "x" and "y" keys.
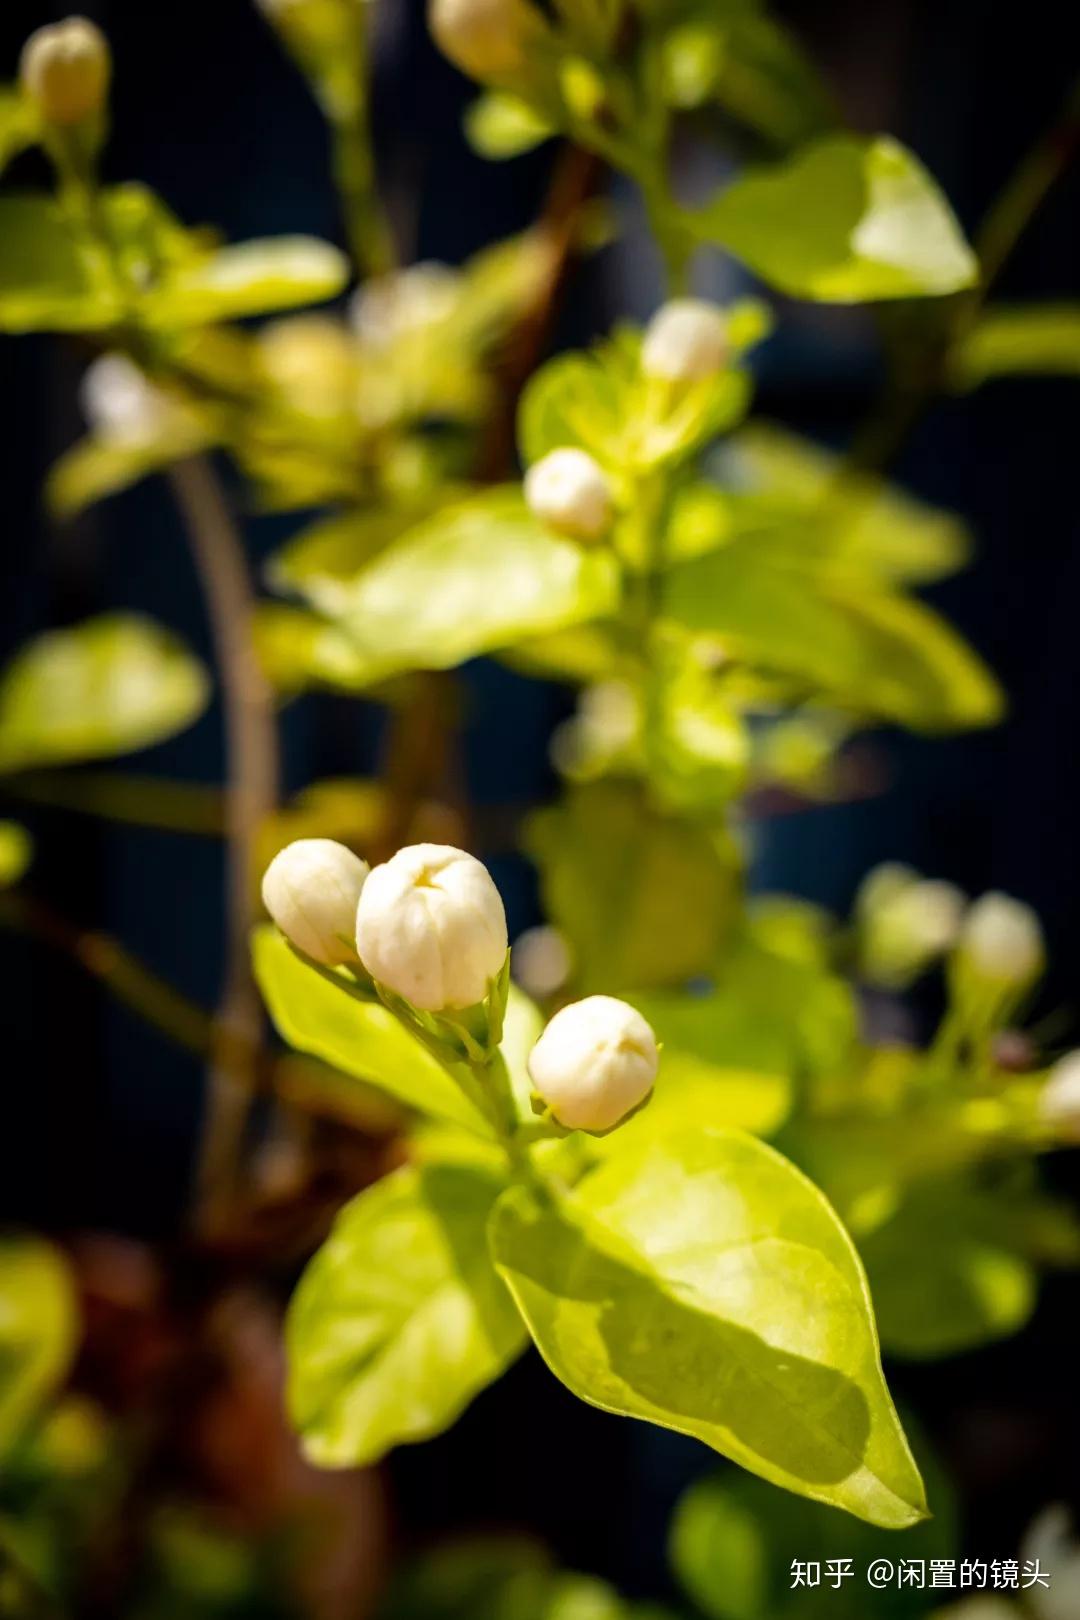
{"x": 734, "y": 1540}
{"x": 499, "y": 125}
{"x": 360, "y": 1037}
{"x": 474, "y": 578}
{"x": 869, "y": 650}
{"x": 643, "y": 899}
{"x": 709, "y": 1251}
{"x": 865, "y": 526}
{"x": 334, "y": 549}
{"x": 48, "y": 282}
{"x": 507, "y": 1579}
{"x": 38, "y": 1325}
{"x": 249, "y": 278}
{"x": 112, "y": 685}
{"x": 1011, "y": 339}
{"x": 298, "y": 650}
{"x": 697, "y": 744}
{"x": 846, "y": 220}
{"x": 399, "y": 1320}
{"x": 18, "y": 126}
{"x": 16, "y": 852}
{"x": 94, "y": 468}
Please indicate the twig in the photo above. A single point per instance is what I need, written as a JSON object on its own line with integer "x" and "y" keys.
{"x": 252, "y": 755}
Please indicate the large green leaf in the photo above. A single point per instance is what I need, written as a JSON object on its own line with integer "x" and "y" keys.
{"x": 643, "y": 898}
{"x": 474, "y": 578}
{"x": 871, "y": 650}
{"x": 846, "y": 220}
{"x": 360, "y": 1037}
{"x": 1012, "y": 339}
{"x": 734, "y": 1541}
{"x": 399, "y": 1320}
{"x": 702, "y": 1283}
{"x": 37, "y": 1329}
{"x": 112, "y": 685}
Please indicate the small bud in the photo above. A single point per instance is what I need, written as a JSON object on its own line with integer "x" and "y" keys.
{"x": 65, "y": 70}
{"x": 905, "y": 922}
{"x": 595, "y": 1062}
{"x": 569, "y": 492}
{"x": 122, "y": 405}
{"x": 686, "y": 341}
{"x": 311, "y": 889}
{"x": 541, "y": 961}
{"x": 431, "y": 927}
{"x": 1002, "y": 941}
{"x": 488, "y": 39}
{"x": 1059, "y": 1104}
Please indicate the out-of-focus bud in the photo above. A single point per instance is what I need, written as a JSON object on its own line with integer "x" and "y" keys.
{"x": 311, "y": 889}
{"x": 570, "y": 492}
{"x": 905, "y": 922}
{"x": 1002, "y": 941}
{"x": 541, "y": 961}
{"x": 1059, "y": 1104}
{"x": 685, "y": 341}
{"x": 311, "y": 361}
{"x": 121, "y": 404}
{"x": 1051, "y": 1545}
{"x": 410, "y": 300}
{"x": 431, "y": 927}
{"x": 488, "y": 39}
{"x": 595, "y": 1063}
{"x": 65, "y": 70}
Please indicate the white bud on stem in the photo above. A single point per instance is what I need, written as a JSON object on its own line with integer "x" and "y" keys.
{"x": 570, "y": 492}
{"x": 595, "y": 1063}
{"x": 686, "y": 341}
{"x": 1002, "y": 940}
{"x": 431, "y": 927}
{"x": 311, "y": 889}
{"x": 488, "y": 39}
{"x": 65, "y": 70}
{"x": 1059, "y": 1104}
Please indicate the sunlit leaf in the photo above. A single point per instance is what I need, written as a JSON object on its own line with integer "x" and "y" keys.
{"x": 299, "y": 650}
{"x": 1020, "y": 339}
{"x": 37, "y": 1329}
{"x": 94, "y": 469}
{"x": 399, "y": 1320}
{"x": 499, "y": 125}
{"x": 703, "y": 1284}
{"x": 112, "y": 685}
{"x": 251, "y": 278}
{"x": 846, "y": 220}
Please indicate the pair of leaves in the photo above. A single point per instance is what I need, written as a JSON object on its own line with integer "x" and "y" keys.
{"x": 114, "y": 684}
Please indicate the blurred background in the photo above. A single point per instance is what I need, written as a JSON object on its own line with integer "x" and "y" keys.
{"x": 101, "y": 1114}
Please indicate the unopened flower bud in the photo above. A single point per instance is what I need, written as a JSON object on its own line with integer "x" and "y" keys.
{"x": 541, "y": 961}
{"x": 65, "y": 69}
{"x": 1002, "y": 941}
{"x": 431, "y": 927}
{"x": 905, "y": 922}
{"x": 570, "y": 492}
{"x": 595, "y": 1063}
{"x": 1059, "y": 1103}
{"x": 686, "y": 340}
{"x": 488, "y": 39}
{"x": 311, "y": 889}
{"x": 122, "y": 405}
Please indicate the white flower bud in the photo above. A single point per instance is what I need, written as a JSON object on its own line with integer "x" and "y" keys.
{"x": 65, "y": 69}
{"x": 1059, "y": 1104}
{"x": 686, "y": 341}
{"x": 541, "y": 961}
{"x": 311, "y": 889}
{"x": 594, "y": 1063}
{"x": 122, "y": 405}
{"x": 431, "y": 927}
{"x": 488, "y": 39}
{"x": 1002, "y": 940}
{"x": 569, "y": 492}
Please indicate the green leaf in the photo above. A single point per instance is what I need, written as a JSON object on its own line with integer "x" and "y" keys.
{"x": 871, "y": 650}
{"x": 507, "y": 1579}
{"x": 477, "y": 577}
{"x": 37, "y": 1329}
{"x": 1012, "y": 339}
{"x": 644, "y": 899}
{"x": 399, "y": 1320}
{"x": 703, "y": 1284}
{"x": 16, "y": 852}
{"x": 94, "y": 469}
{"x": 250, "y": 278}
{"x": 18, "y": 126}
{"x": 734, "y": 1541}
{"x": 499, "y": 125}
{"x": 48, "y": 280}
{"x": 360, "y": 1037}
{"x": 846, "y": 220}
{"x": 300, "y": 650}
{"x": 112, "y": 685}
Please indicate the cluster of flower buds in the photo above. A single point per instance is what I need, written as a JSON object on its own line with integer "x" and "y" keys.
{"x": 428, "y": 925}
{"x": 64, "y": 72}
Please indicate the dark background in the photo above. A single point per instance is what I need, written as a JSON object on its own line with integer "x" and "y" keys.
{"x": 99, "y": 1114}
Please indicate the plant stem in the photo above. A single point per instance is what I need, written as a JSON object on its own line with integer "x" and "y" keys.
{"x": 370, "y": 239}
{"x": 252, "y": 755}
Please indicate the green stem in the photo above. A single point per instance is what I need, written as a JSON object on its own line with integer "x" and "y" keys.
{"x": 370, "y": 239}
